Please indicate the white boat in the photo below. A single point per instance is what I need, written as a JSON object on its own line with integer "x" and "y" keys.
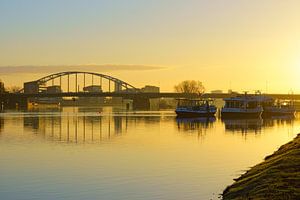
{"x": 242, "y": 106}
{"x": 275, "y": 108}
{"x": 278, "y": 109}
{"x": 195, "y": 108}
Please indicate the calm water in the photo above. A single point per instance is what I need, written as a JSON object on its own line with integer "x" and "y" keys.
{"x": 78, "y": 153}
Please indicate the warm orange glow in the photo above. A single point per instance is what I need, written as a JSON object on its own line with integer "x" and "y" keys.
{"x": 242, "y": 44}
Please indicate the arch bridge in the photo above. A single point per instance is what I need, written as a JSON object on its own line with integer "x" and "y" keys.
{"x": 84, "y": 84}
{"x": 77, "y": 81}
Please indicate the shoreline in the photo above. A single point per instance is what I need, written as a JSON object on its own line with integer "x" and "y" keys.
{"x": 277, "y": 177}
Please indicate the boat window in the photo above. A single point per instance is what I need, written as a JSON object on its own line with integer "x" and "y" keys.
{"x": 252, "y": 104}
{"x": 238, "y": 104}
{"x": 193, "y": 103}
{"x": 228, "y": 104}
{"x": 235, "y": 104}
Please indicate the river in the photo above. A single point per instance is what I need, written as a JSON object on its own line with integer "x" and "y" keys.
{"x": 110, "y": 154}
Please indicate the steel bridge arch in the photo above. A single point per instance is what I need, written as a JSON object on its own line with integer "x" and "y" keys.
{"x": 50, "y": 77}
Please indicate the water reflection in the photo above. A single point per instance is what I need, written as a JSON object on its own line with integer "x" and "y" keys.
{"x": 190, "y": 124}
{"x": 31, "y": 123}
{"x": 243, "y": 125}
{"x": 195, "y": 125}
{"x": 1, "y": 124}
{"x": 152, "y": 152}
{"x": 76, "y": 128}
{"x": 98, "y": 124}
{"x": 279, "y": 121}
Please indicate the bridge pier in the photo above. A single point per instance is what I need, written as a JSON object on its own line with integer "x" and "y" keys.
{"x": 141, "y": 103}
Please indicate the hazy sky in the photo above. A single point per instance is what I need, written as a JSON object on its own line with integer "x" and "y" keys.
{"x": 239, "y": 43}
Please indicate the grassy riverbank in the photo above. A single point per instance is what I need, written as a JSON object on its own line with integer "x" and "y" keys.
{"x": 278, "y": 177}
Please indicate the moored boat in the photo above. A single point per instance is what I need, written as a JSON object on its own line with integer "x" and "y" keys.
{"x": 195, "y": 108}
{"x": 279, "y": 109}
{"x": 243, "y": 106}
{"x": 272, "y": 107}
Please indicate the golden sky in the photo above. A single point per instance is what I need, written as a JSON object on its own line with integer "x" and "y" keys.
{"x": 242, "y": 45}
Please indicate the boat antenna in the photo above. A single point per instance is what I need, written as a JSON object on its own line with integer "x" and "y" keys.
{"x": 292, "y": 95}
{"x": 245, "y": 93}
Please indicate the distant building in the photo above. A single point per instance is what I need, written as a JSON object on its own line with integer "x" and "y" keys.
{"x": 54, "y": 89}
{"x": 50, "y": 100}
{"x": 91, "y": 100}
{"x": 92, "y": 88}
{"x": 150, "y": 89}
{"x": 216, "y": 91}
{"x": 31, "y": 87}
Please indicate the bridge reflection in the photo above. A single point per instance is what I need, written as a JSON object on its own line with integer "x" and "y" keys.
{"x": 85, "y": 124}
{"x": 92, "y": 125}
{"x": 76, "y": 128}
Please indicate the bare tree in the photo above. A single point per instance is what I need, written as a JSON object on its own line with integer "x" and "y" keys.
{"x": 190, "y": 86}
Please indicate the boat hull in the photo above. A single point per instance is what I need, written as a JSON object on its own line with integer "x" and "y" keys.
{"x": 194, "y": 114}
{"x": 278, "y": 113}
{"x": 241, "y": 114}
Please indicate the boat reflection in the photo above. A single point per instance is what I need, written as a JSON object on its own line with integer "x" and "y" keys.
{"x": 257, "y": 124}
{"x": 243, "y": 125}
{"x": 97, "y": 125}
{"x": 278, "y": 120}
{"x": 192, "y": 124}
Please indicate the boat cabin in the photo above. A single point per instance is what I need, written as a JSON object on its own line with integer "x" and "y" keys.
{"x": 194, "y": 102}
{"x": 195, "y": 107}
{"x": 248, "y": 103}
{"x": 242, "y": 106}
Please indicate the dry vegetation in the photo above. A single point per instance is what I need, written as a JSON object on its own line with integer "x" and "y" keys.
{"x": 278, "y": 177}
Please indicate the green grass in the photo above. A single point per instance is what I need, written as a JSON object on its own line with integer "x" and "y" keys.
{"x": 278, "y": 177}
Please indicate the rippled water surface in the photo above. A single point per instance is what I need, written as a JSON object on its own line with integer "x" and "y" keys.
{"x": 81, "y": 153}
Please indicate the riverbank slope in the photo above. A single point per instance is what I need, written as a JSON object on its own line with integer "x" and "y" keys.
{"x": 278, "y": 177}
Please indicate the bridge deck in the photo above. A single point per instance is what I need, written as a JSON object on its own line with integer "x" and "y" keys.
{"x": 138, "y": 94}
